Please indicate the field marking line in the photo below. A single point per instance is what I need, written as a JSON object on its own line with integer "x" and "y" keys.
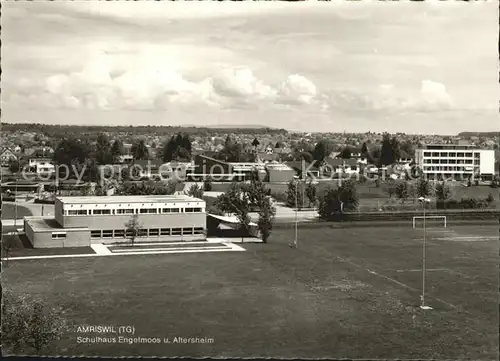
{"x": 420, "y": 270}
{"x": 100, "y": 248}
{"x": 234, "y": 247}
{"x": 400, "y": 284}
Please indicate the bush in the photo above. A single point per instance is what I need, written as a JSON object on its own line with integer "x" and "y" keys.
{"x": 280, "y": 196}
{"x": 29, "y": 324}
{"x": 490, "y": 198}
{"x": 207, "y": 184}
{"x": 464, "y": 203}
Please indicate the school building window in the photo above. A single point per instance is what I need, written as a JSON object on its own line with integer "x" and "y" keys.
{"x": 119, "y": 233}
{"x": 77, "y": 212}
{"x": 176, "y": 231}
{"x": 170, "y": 210}
{"x": 154, "y": 232}
{"x": 124, "y": 211}
{"x": 165, "y": 232}
{"x": 187, "y": 231}
{"x": 107, "y": 234}
{"x": 102, "y": 211}
{"x": 192, "y": 210}
{"x": 198, "y": 230}
{"x": 148, "y": 211}
{"x": 58, "y": 235}
{"x": 95, "y": 234}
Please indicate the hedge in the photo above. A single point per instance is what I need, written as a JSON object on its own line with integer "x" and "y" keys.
{"x": 464, "y": 203}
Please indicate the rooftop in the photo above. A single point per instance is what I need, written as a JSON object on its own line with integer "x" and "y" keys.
{"x": 39, "y": 224}
{"x": 278, "y": 166}
{"x": 128, "y": 199}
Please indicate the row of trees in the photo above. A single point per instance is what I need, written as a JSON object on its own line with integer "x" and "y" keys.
{"x": 387, "y": 153}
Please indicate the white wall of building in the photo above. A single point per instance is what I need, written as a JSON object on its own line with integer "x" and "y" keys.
{"x": 487, "y": 161}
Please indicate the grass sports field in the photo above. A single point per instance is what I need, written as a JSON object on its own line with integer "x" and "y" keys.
{"x": 344, "y": 293}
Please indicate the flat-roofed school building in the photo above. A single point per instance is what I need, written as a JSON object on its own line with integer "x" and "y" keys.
{"x": 82, "y": 221}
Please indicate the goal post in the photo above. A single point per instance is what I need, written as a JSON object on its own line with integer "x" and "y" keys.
{"x": 428, "y": 217}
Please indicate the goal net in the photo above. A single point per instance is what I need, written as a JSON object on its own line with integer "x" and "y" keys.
{"x": 430, "y": 221}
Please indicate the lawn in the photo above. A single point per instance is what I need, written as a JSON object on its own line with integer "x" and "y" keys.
{"x": 344, "y": 293}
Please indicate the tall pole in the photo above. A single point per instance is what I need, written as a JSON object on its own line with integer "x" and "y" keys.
{"x": 296, "y": 210}
{"x": 15, "y": 205}
{"x": 423, "y": 261}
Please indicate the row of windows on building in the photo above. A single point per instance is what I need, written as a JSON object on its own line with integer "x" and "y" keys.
{"x": 446, "y": 169}
{"x": 450, "y": 154}
{"x": 451, "y": 161}
{"x": 151, "y": 232}
{"x": 89, "y": 212}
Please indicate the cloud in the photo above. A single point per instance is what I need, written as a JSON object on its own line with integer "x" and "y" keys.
{"x": 434, "y": 95}
{"x": 431, "y": 96}
{"x": 297, "y": 89}
{"x": 104, "y": 83}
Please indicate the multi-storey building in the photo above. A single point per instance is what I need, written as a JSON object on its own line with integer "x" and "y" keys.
{"x": 456, "y": 161}
{"x": 82, "y": 221}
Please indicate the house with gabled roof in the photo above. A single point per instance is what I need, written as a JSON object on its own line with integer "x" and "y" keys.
{"x": 7, "y": 155}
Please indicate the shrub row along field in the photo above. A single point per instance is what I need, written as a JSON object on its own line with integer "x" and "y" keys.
{"x": 344, "y": 293}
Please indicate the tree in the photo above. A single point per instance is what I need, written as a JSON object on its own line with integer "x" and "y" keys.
{"x": 345, "y": 153}
{"x": 395, "y": 150}
{"x": 140, "y": 151}
{"x": 267, "y": 213}
{"x": 321, "y": 151}
{"x": 232, "y": 152}
{"x": 71, "y": 151}
{"x": 311, "y": 191}
{"x": 330, "y": 205}
{"x": 8, "y": 244}
{"x": 348, "y": 195}
{"x": 86, "y": 190}
{"x": 116, "y": 150}
{"x": 391, "y": 188}
{"x": 255, "y": 143}
{"x": 236, "y": 201}
{"x": 14, "y": 165}
{"x": 402, "y": 191}
{"x": 443, "y": 192}
{"x": 195, "y": 191}
{"x": 29, "y": 324}
{"x": 133, "y": 228}
{"x": 207, "y": 184}
{"x": 408, "y": 147}
{"x": 423, "y": 188}
{"x": 103, "y": 154}
{"x": 177, "y": 148}
{"x": 387, "y": 154}
{"x": 260, "y": 196}
{"x": 294, "y": 196}
{"x": 364, "y": 150}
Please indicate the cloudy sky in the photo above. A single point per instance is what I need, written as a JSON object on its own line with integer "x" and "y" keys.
{"x": 337, "y": 66}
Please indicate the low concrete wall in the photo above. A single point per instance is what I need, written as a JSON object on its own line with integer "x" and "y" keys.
{"x": 139, "y": 240}
{"x": 74, "y": 238}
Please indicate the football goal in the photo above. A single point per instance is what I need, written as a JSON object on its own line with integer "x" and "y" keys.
{"x": 419, "y": 220}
